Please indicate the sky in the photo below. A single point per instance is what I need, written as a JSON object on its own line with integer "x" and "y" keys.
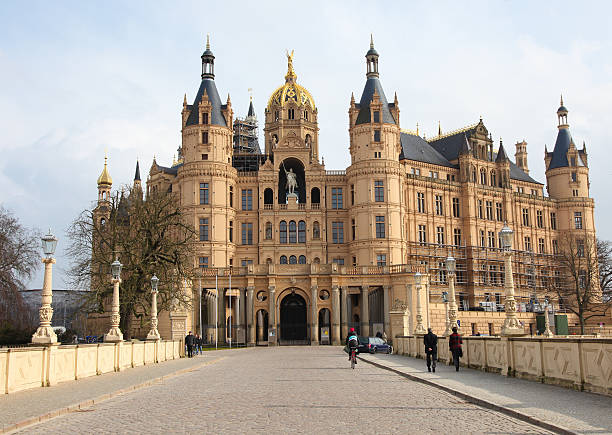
{"x": 78, "y": 78}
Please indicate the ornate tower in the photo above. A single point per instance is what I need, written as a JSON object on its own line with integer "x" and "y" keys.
{"x": 375, "y": 175}
{"x": 105, "y": 183}
{"x": 521, "y": 156}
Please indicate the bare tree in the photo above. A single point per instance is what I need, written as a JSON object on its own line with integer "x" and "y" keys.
{"x": 19, "y": 258}
{"x": 576, "y": 282}
{"x": 604, "y": 259}
{"x": 149, "y": 237}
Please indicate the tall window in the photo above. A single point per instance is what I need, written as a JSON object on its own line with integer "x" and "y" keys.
{"x": 203, "y": 193}
{"x": 541, "y": 246}
{"x": 440, "y": 235}
{"x": 527, "y": 243}
{"x": 580, "y": 248}
{"x": 379, "y": 191}
{"x": 376, "y": 135}
{"x": 292, "y": 259}
{"x": 456, "y": 210}
{"x": 457, "y": 237}
{"x": 203, "y": 263}
{"x": 316, "y": 230}
{"x": 483, "y": 176}
{"x": 553, "y": 221}
{"x": 380, "y": 227}
{"x": 482, "y": 238}
{"x": 352, "y": 194}
{"x": 292, "y": 232}
{"x": 283, "y": 259}
{"x": 499, "y": 211}
{"x": 231, "y": 231}
{"x": 338, "y": 232}
{"x": 381, "y": 259}
{"x": 231, "y": 196}
{"x": 204, "y": 119}
{"x": 301, "y": 232}
{"x": 353, "y": 229}
{"x": 578, "y": 220}
{"x": 480, "y": 209}
{"x": 291, "y": 113}
{"x": 489, "y": 209}
{"x": 439, "y": 206}
{"x": 526, "y": 217}
{"x": 555, "y": 246}
{"x": 492, "y": 178}
{"x": 337, "y": 197}
{"x": 422, "y": 234}
{"x": 302, "y": 259}
{"x": 376, "y": 116}
{"x": 282, "y": 230}
{"x": 268, "y": 230}
{"x": 491, "y": 239}
{"x": 247, "y": 233}
{"x": 247, "y": 199}
{"x": 421, "y": 202}
{"x": 204, "y": 137}
{"x": 539, "y": 219}
{"x": 203, "y": 229}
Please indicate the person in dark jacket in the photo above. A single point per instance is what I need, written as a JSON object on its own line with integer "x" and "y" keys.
{"x": 430, "y": 340}
{"x": 189, "y": 342}
{"x": 454, "y": 344}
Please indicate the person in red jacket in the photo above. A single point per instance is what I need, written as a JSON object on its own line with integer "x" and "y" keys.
{"x": 454, "y": 343}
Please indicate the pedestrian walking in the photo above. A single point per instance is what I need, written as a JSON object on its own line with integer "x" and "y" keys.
{"x": 430, "y": 340}
{"x": 189, "y": 342}
{"x": 454, "y": 343}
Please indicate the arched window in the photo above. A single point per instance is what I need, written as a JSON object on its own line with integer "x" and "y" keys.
{"x": 315, "y": 195}
{"x": 492, "y": 178}
{"x": 316, "y": 231}
{"x": 306, "y": 115}
{"x": 473, "y": 174}
{"x": 301, "y": 232}
{"x": 316, "y": 260}
{"x": 268, "y": 196}
{"x": 483, "y": 176}
{"x": 308, "y": 140}
{"x": 268, "y": 230}
{"x": 283, "y": 231}
{"x": 292, "y": 260}
{"x": 302, "y": 259}
{"x": 102, "y": 224}
{"x": 268, "y": 261}
{"x": 292, "y": 232}
{"x": 290, "y": 113}
{"x": 283, "y": 259}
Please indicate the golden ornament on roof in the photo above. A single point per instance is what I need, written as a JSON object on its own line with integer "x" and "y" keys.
{"x": 291, "y": 91}
{"x": 105, "y": 178}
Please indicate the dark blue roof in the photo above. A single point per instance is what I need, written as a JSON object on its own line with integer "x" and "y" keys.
{"x": 217, "y": 117}
{"x": 416, "y": 148}
{"x": 559, "y": 154}
{"x": 450, "y": 146}
{"x": 373, "y": 84}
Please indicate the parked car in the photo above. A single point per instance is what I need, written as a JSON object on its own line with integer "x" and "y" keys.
{"x": 373, "y": 345}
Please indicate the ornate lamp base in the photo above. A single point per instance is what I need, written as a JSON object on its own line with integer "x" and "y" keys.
{"x": 153, "y": 335}
{"x": 512, "y": 328}
{"x": 113, "y": 336}
{"x": 44, "y": 335}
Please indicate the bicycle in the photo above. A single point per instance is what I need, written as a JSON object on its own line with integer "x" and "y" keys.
{"x": 353, "y": 357}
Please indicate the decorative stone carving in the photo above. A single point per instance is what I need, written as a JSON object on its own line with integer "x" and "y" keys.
{"x": 399, "y": 305}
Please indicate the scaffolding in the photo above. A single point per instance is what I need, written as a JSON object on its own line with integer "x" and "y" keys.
{"x": 246, "y": 133}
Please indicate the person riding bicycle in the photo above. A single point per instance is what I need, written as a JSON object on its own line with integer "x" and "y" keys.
{"x": 352, "y": 341}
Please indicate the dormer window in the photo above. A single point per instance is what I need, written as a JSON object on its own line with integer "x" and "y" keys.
{"x": 376, "y": 116}
{"x": 376, "y": 135}
{"x": 204, "y": 118}
{"x": 573, "y": 162}
{"x": 574, "y": 176}
{"x": 204, "y": 137}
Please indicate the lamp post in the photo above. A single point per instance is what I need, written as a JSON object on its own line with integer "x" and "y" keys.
{"x": 547, "y": 332}
{"x": 511, "y": 324}
{"x": 451, "y": 267}
{"x": 419, "y": 329}
{"x": 45, "y": 334}
{"x": 154, "y": 333}
{"x": 114, "y": 334}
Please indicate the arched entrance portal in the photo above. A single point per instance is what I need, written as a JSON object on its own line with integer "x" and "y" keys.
{"x": 293, "y": 320}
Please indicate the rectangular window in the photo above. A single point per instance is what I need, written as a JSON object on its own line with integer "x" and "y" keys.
{"x": 203, "y": 193}
{"x": 580, "y": 248}
{"x": 231, "y": 196}
{"x": 353, "y": 229}
{"x": 482, "y": 239}
{"x": 205, "y": 119}
{"x": 379, "y": 191}
{"x": 456, "y": 210}
{"x": 526, "y": 217}
{"x": 337, "y": 198}
{"x": 421, "y": 202}
{"x": 376, "y": 135}
{"x": 578, "y": 220}
{"x": 541, "y": 246}
{"x": 422, "y": 234}
{"x": 354, "y": 261}
{"x": 380, "y": 227}
{"x": 247, "y": 233}
{"x": 203, "y": 262}
{"x": 338, "y": 232}
{"x": 203, "y": 229}
{"x": 491, "y": 239}
{"x": 376, "y": 116}
{"x": 489, "y": 210}
{"x": 555, "y": 246}
{"x": 574, "y": 177}
{"x": 527, "y": 243}
{"x": 539, "y": 219}
{"x": 245, "y": 262}
{"x": 204, "y": 137}
{"x": 231, "y": 231}
{"x": 204, "y": 156}
{"x": 339, "y": 261}
{"x": 247, "y": 199}
{"x": 439, "y": 206}
{"x": 553, "y": 221}
{"x": 416, "y": 171}
{"x": 499, "y": 211}
{"x": 457, "y": 236}
{"x": 381, "y": 259}
{"x": 480, "y": 209}
{"x": 440, "y": 235}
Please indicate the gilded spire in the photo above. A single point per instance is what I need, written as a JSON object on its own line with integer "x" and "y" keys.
{"x": 291, "y": 75}
{"x": 417, "y": 131}
{"x": 105, "y": 178}
{"x": 439, "y": 129}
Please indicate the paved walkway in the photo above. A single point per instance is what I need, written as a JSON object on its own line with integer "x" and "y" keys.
{"x": 575, "y": 410}
{"x": 285, "y": 390}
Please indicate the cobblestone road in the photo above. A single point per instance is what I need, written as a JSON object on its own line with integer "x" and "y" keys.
{"x": 285, "y": 390}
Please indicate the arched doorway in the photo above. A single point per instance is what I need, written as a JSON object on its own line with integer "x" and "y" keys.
{"x": 325, "y": 326}
{"x": 293, "y": 320}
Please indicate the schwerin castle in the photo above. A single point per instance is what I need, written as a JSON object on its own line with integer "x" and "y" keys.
{"x": 290, "y": 252}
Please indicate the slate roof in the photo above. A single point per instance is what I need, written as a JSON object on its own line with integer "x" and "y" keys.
{"x": 416, "y": 148}
{"x": 373, "y": 84}
{"x": 559, "y": 154}
{"x": 216, "y": 117}
{"x": 251, "y": 109}
{"x": 137, "y": 175}
{"x": 172, "y": 171}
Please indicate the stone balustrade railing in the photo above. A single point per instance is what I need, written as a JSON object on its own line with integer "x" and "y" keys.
{"x": 32, "y": 367}
{"x": 580, "y": 363}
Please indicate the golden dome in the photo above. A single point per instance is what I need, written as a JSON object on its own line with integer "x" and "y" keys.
{"x": 105, "y": 177}
{"x": 291, "y": 91}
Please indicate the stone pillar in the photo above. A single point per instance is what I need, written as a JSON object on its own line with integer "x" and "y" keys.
{"x": 114, "y": 334}
{"x": 250, "y": 325}
{"x": 511, "y": 326}
{"x": 365, "y": 312}
{"x": 154, "y": 333}
{"x": 241, "y": 334}
{"x": 272, "y": 332}
{"x": 45, "y": 334}
{"x": 419, "y": 329}
{"x": 452, "y": 306}
{"x": 344, "y": 317}
{"x": 260, "y": 326}
{"x": 336, "y": 339}
{"x": 220, "y": 315}
{"x": 314, "y": 325}
{"x": 387, "y": 310}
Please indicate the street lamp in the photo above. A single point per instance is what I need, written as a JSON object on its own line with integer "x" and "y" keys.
{"x": 419, "y": 329}
{"x": 45, "y": 334}
{"x": 511, "y": 324}
{"x": 547, "y": 332}
{"x": 114, "y": 334}
{"x": 154, "y": 333}
{"x": 451, "y": 267}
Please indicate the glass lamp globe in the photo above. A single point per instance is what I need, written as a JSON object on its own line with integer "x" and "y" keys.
{"x": 451, "y": 264}
{"x": 116, "y": 269}
{"x": 154, "y": 282}
{"x": 49, "y": 243}
{"x": 506, "y": 236}
{"x": 418, "y": 278}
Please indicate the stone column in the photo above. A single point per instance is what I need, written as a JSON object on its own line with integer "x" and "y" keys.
{"x": 45, "y": 334}
{"x": 452, "y": 306}
{"x": 314, "y": 325}
{"x": 336, "y": 339}
{"x": 114, "y": 334}
{"x": 419, "y": 329}
{"x": 154, "y": 333}
{"x": 511, "y": 324}
{"x": 260, "y": 326}
{"x": 220, "y": 315}
{"x": 344, "y": 318}
{"x": 250, "y": 316}
{"x": 272, "y": 332}
{"x": 241, "y": 334}
{"x": 387, "y": 310}
{"x": 365, "y": 312}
